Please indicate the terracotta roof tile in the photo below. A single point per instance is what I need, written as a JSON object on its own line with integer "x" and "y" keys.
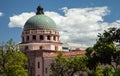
{"x": 75, "y": 53}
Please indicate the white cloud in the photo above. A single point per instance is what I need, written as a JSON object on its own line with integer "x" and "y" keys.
{"x": 19, "y": 20}
{"x": 1, "y": 14}
{"x": 77, "y": 25}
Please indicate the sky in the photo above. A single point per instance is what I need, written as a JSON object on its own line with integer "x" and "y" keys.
{"x": 78, "y": 21}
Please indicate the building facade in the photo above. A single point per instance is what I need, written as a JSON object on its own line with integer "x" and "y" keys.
{"x": 39, "y": 37}
{"x": 40, "y": 41}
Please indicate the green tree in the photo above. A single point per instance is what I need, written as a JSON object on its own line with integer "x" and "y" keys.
{"x": 59, "y": 66}
{"x": 106, "y": 49}
{"x": 117, "y": 71}
{"x": 104, "y": 52}
{"x": 108, "y": 70}
{"x": 89, "y": 51}
{"x": 92, "y": 58}
{"x": 68, "y": 66}
{"x": 98, "y": 71}
{"x": 12, "y": 61}
{"x": 77, "y": 64}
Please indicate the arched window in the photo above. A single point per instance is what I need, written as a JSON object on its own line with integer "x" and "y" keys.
{"x": 41, "y": 47}
{"x": 41, "y": 37}
{"x": 38, "y": 64}
{"x": 34, "y": 37}
{"x": 27, "y": 39}
{"x": 54, "y": 38}
{"x": 48, "y": 37}
{"x": 23, "y": 39}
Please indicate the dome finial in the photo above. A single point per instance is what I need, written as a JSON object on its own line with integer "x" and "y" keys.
{"x": 39, "y": 10}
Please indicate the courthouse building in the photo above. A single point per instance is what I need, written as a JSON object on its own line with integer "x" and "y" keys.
{"x": 40, "y": 43}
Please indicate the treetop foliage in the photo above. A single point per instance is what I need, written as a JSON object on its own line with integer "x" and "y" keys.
{"x": 12, "y": 61}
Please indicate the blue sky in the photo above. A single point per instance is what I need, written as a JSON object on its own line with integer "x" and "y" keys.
{"x": 107, "y": 13}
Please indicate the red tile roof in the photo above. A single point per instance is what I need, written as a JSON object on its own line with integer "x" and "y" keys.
{"x": 72, "y": 53}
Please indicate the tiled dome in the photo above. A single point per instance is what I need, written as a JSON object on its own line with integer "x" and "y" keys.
{"x": 40, "y": 21}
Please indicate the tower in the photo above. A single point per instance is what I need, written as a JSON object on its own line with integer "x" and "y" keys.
{"x": 39, "y": 35}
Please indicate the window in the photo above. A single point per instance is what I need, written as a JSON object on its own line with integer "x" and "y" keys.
{"x": 54, "y": 38}
{"x": 23, "y": 39}
{"x": 26, "y": 47}
{"x": 41, "y": 47}
{"x": 27, "y": 38}
{"x": 46, "y": 70}
{"x": 34, "y": 37}
{"x": 41, "y": 37}
{"x": 38, "y": 64}
{"x": 48, "y": 37}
